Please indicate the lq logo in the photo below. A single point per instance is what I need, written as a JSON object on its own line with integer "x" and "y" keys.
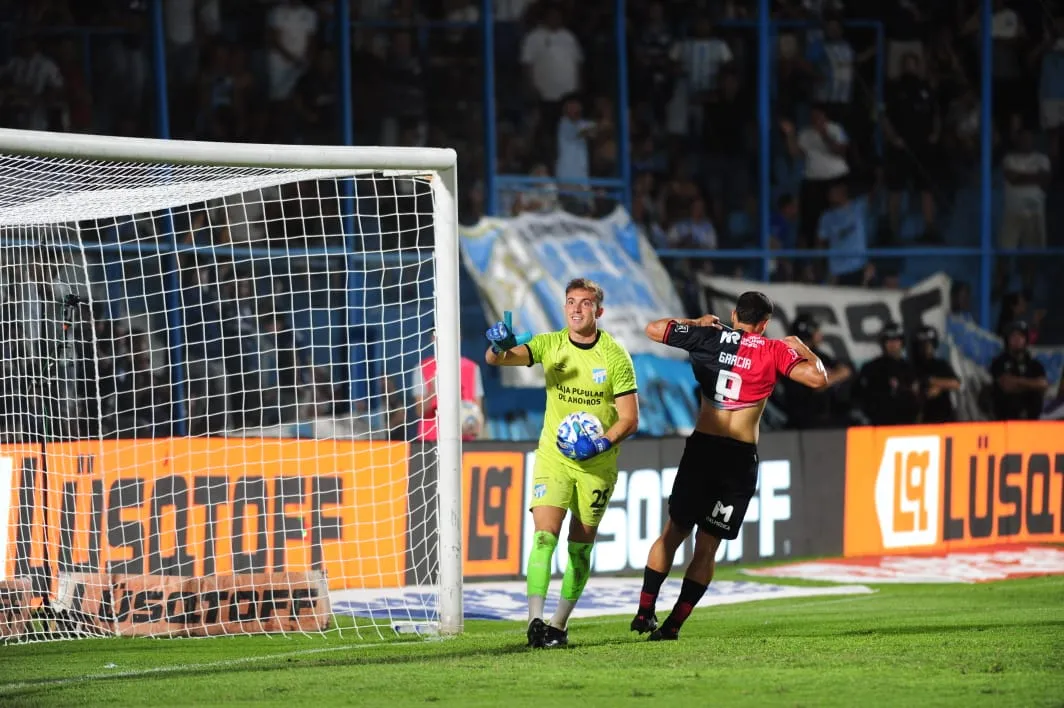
{"x": 907, "y": 491}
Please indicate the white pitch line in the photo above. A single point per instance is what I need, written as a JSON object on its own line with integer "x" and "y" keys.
{"x": 12, "y": 687}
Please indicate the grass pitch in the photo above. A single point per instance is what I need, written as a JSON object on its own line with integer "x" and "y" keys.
{"x": 999, "y": 644}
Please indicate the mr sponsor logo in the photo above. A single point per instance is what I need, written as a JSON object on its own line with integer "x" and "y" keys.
{"x": 725, "y": 514}
{"x": 968, "y": 485}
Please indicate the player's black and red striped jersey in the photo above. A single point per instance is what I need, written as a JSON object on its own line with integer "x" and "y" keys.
{"x": 735, "y": 369}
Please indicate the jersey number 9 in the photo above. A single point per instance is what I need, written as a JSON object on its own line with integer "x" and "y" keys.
{"x": 728, "y": 386}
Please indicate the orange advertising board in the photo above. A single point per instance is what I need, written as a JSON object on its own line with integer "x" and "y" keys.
{"x": 946, "y": 487}
{"x": 493, "y": 486}
{"x": 194, "y": 507}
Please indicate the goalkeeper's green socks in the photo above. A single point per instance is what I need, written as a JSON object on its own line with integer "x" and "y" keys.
{"x": 539, "y": 568}
{"x": 577, "y": 571}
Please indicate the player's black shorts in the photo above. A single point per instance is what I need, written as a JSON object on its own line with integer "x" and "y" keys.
{"x": 714, "y": 483}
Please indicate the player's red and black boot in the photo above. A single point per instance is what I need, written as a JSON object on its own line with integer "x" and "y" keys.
{"x": 555, "y": 638}
{"x": 644, "y": 623}
{"x": 664, "y": 633}
{"x": 537, "y": 633}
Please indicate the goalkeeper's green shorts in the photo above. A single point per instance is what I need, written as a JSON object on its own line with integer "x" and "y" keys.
{"x": 586, "y": 492}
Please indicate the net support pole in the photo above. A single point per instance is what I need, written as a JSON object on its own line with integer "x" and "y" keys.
{"x": 175, "y": 341}
{"x": 764, "y": 121}
{"x": 343, "y": 43}
{"x": 355, "y": 310}
{"x": 491, "y": 166}
{"x": 986, "y": 147}
{"x": 449, "y": 440}
{"x": 881, "y": 78}
{"x": 162, "y": 99}
{"x": 624, "y": 141}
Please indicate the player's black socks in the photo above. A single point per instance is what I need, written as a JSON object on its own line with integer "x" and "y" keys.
{"x": 690, "y": 593}
{"x": 648, "y": 598}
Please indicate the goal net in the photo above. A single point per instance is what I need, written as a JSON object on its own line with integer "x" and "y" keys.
{"x": 211, "y": 389}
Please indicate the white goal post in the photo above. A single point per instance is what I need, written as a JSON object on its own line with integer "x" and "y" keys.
{"x": 59, "y": 193}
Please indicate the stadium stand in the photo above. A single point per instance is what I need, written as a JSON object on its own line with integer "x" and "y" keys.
{"x": 265, "y": 71}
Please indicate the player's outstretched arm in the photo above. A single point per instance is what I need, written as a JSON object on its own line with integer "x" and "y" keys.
{"x": 810, "y": 370}
{"x": 518, "y": 356}
{"x": 658, "y": 329}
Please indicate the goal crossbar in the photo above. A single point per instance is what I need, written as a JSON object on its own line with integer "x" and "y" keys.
{"x": 364, "y": 159}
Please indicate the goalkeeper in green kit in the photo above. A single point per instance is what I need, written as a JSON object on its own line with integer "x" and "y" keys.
{"x": 587, "y": 371}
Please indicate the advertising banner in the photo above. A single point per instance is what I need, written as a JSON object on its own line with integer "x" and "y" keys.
{"x": 792, "y": 514}
{"x": 493, "y": 502}
{"x": 167, "y": 606}
{"x": 194, "y": 507}
{"x": 946, "y": 487}
{"x": 522, "y": 264}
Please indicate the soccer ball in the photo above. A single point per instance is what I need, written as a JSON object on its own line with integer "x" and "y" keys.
{"x": 472, "y": 419}
{"x": 572, "y": 423}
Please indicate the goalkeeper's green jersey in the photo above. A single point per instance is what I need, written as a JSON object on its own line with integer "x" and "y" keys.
{"x": 581, "y": 378}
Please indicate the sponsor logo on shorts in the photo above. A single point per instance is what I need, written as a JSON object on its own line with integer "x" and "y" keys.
{"x": 539, "y": 491}
{"x": 598, "y": 376}
{"x": 720, "y": 510}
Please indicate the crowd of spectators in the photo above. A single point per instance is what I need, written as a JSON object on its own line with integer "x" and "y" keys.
{"x": 851, "y": 167}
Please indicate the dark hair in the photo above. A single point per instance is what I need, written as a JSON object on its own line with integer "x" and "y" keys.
{"x": 753, "y": 307}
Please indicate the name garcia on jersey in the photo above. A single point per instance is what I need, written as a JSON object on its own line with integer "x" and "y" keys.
{"x": 735, "y": 361}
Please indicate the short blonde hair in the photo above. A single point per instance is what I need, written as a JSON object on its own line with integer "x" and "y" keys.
{"x": 589, "y": 285}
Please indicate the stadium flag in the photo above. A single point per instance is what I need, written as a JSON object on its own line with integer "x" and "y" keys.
{"x": 522, "y": 264}
{"x": 852, "y": 317}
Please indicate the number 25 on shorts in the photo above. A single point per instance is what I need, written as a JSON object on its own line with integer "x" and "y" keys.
{"x": 599, "y": 498}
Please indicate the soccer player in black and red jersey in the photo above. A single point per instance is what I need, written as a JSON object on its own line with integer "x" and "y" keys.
{"x": 737, "y": 369}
